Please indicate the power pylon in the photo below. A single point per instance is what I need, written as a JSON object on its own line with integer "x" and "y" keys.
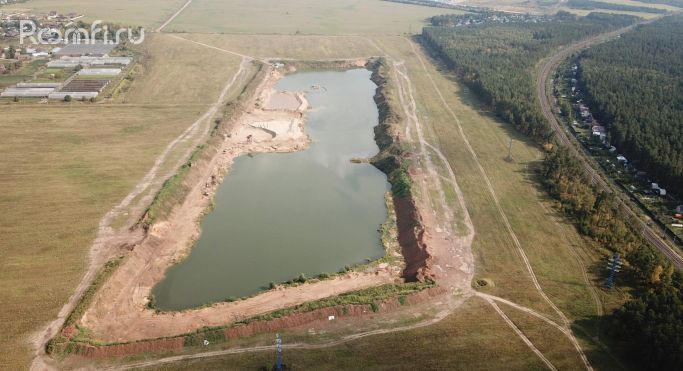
{"x": 278, "y": 343}
{"x": 614, "y": 266}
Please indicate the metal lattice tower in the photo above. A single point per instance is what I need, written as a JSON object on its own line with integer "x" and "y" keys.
{"x": 614, "y": 266}
{"x": 278, "y": 343}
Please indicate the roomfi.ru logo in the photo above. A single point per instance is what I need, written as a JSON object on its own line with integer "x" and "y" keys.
{"x": 30, "y": 32}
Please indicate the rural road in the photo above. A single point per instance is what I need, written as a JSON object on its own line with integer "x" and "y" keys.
{"x": 170, "y": 19}
{"x": 548, "y": 66}
{"x": 108, "y": 239}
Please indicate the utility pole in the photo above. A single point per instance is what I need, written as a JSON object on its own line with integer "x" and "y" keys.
{"x": 614, "y": 266}
{"x": 278, "y": 343}
{"x": 509, "y": 157}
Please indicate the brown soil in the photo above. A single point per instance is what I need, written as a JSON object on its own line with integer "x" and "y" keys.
{"x": 257, "y": 327}
{"x": 411, "y": 239}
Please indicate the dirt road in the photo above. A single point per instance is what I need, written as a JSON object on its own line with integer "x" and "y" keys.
{"x": 119, "y": 310}
{"x": 108, "y": 240}
{"x": 548, "y": 66}
{"x": 494, "y": 197}
{"x": 173, "y": 17}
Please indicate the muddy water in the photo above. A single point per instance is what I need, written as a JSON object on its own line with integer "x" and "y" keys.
{"x": 279, "y": 215}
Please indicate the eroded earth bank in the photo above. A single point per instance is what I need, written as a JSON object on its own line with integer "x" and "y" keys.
{"x": 119, "y": 316}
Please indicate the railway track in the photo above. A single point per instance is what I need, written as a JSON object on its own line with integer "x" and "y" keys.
{"x": 549, "y": 65}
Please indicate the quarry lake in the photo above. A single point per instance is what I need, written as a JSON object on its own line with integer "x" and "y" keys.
{"x": 276, "y": 216}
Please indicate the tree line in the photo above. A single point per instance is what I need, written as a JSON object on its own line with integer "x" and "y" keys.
{"x": 648, "y": 329}
{"x": 590, "y": 5}
{"x": 634, "y": 85}
{"x": 496, "y": 59}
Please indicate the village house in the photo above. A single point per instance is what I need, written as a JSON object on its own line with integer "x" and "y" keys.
{"x": 599, "y": 131}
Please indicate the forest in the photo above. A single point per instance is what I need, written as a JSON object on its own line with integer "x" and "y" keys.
{"x": 496, "y": 58}
{"x": 590, "y": 5}
{"x": 634, "y": 85}
{"x": 648, "y": 329}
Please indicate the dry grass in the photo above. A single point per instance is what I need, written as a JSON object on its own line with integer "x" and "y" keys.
{"x": 548, "y": 240}
{"x": 557, "y": 348}
{"x": 556, "y": 251}
{"x": 180, "y": 72}
{"x": 583, "y": 12}
{"x": 147, "y": 13}
{"x": 327, "y": 17}
{"x": 473, "y": 338}
{"x": 638, "y": 3}
{"x": 63, "y": 166}
{"x": 290, "y": 46}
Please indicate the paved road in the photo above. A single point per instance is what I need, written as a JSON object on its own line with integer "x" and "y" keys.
{"x": 548, "y": 66}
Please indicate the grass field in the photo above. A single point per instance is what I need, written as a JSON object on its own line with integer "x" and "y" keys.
{"x": 147, "y": 13}
{"x": 552, "y": 6}
{"x": 638, "y": 3}
{"x": 180, "y": 72}
{"x": 328, "y": 17}
{"x": 582, "y": 12}
{"x": 473, "y": 338}
{"x": 64, "y": 166}
{"x": 556, "y": 251}
{"x": 291, "y": 46}
{"x": 549, "y": 242}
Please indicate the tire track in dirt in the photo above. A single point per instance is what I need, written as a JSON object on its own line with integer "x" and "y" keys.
{"x": 524, "y": 309}
{"x": 107, "y": 238}
{"x": 498, "y": 206}
{"x": 521, "y": 335}
{"x": 492, "y": 192}
{"x": 216, "y": 48}
{"x": 584, "y": 271}
{"x": 173, "y": 17}
{"x": 413, "y": 105}
{"x": 300, "y": 346}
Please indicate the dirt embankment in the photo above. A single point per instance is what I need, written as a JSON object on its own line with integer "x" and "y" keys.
{"x": 119, "y": 310}
{"x": 392, "y": 161}
{"x": 253, "y": 328}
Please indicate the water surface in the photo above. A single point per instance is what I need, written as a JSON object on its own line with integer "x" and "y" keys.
{"x": 279, "y": 215}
